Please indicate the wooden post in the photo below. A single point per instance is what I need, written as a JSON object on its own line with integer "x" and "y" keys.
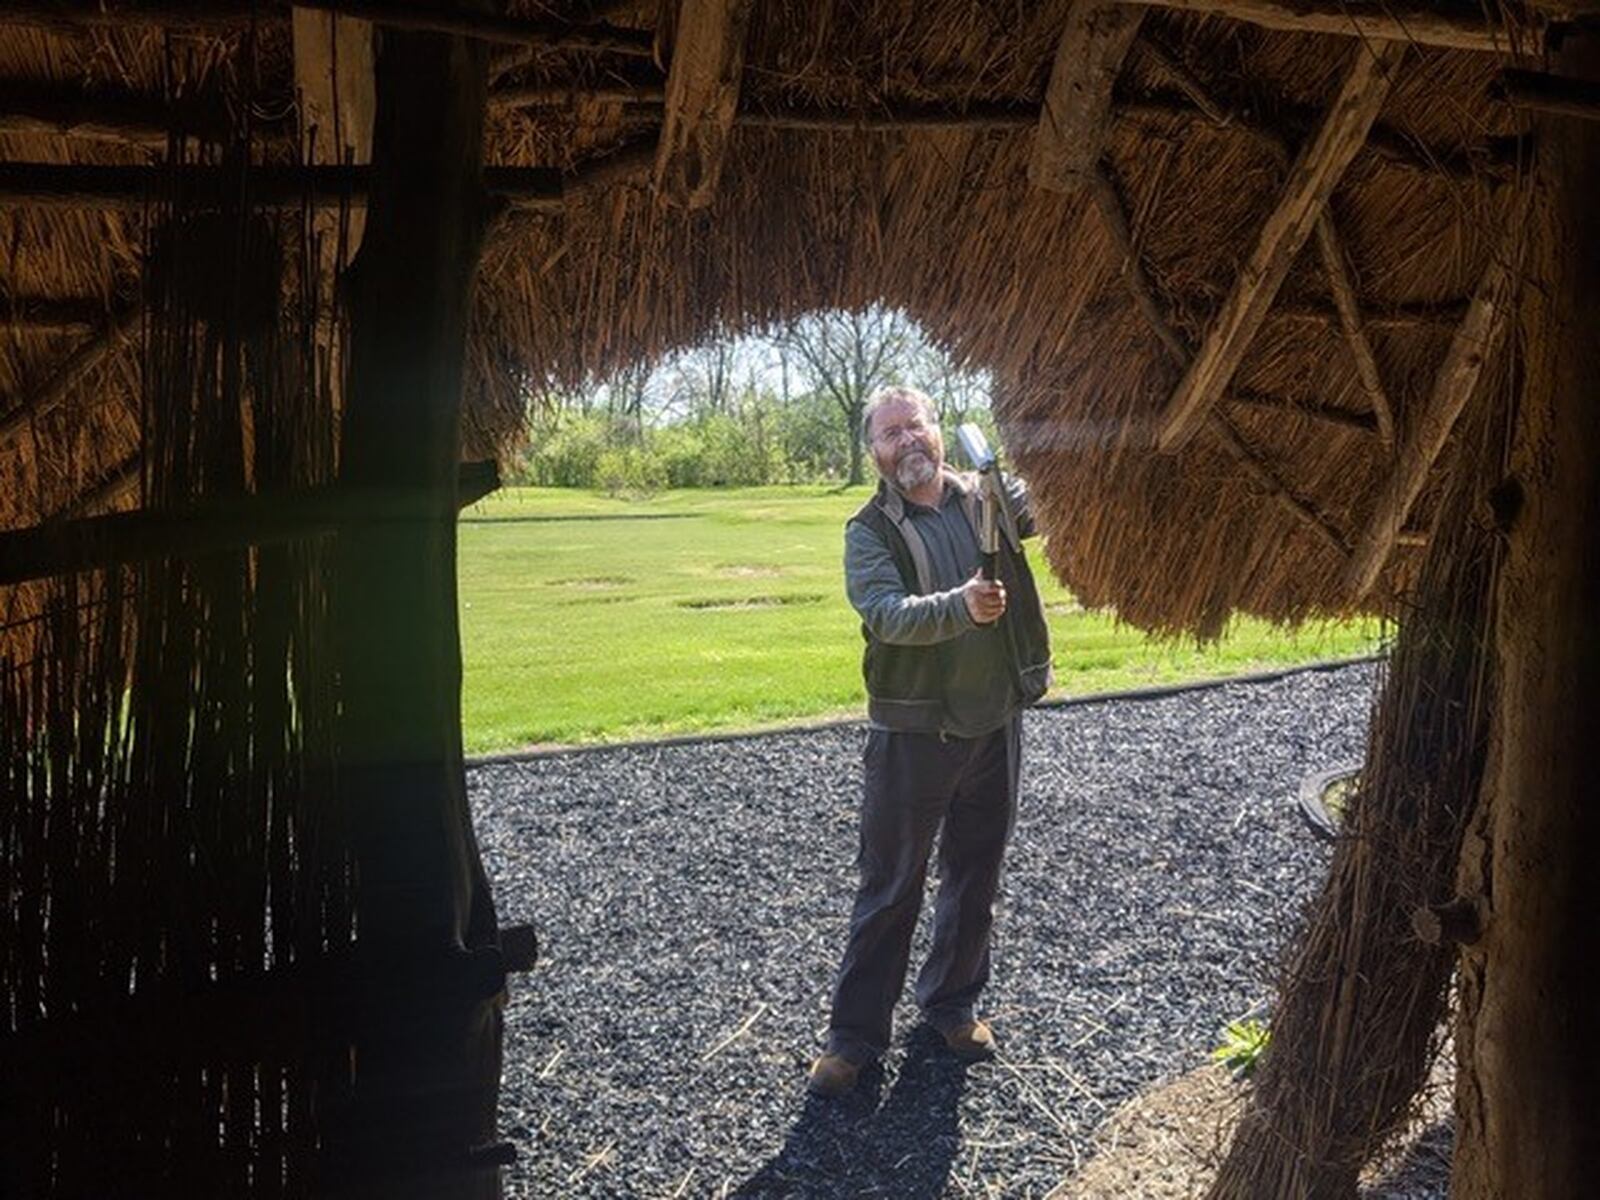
{"x": 1532, "y": 1050}
{"x": 427, "y": 1078}
{"x": 702, "y": 98}
{"x": 1077, "y": 101}
{"x": 1474, "y": 345}
{"x": 1311, "y": 180}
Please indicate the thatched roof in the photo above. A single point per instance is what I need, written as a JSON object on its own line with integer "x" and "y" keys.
{"x": 882, "y": 156}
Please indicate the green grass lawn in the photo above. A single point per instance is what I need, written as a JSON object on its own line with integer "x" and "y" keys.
{"x": 588, "y": 619}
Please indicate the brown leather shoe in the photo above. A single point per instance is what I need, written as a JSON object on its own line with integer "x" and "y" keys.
{"x": 832, "y": 1075}
{"x": 973, "y": 1041}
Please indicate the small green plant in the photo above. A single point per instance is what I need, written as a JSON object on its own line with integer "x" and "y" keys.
{"x": 1243, "y": 1042}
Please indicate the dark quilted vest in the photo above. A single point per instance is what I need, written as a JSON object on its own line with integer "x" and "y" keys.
{"x": 905, "y": 684}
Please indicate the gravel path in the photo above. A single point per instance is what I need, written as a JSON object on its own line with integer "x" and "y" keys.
{"x": 691, "y": 902}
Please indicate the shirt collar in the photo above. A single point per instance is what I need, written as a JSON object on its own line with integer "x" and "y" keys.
{"x": 893, "y": 502}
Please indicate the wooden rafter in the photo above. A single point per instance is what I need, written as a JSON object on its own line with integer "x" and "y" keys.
{"x": 1403, "y": 317}
{"x": 1337, "y": 269}
{"x": 1329, "y": 246}
{"x": 72, "y": 541}
{"x": 1494, "y": 161}
{"x": 50, "y": 314}
{"x": 1405, "y": 22}
{"x": 540, "y": 95}
{"x": 1256, "y": 467}
{"x": 78, "y": 364}
{"x": 1549, "y": 93}
{"x": 1077, "y": 101}
{"x": 230, "y": 15}
{"x": 1109, "y": 204}
{"x": 1310, "y": 181}
{"x": 123, "y": 480}
{"x": 77, "y": 185}
{"x": 1454, "y": 385}
{"x": 69, "y": 112}
{"x": 1106, "y": 199}
{"x": 1348, "y": 418}
{"x": 702, "y": 96}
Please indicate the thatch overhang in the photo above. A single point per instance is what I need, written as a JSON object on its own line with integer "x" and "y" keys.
{"x": 882, "y": 155}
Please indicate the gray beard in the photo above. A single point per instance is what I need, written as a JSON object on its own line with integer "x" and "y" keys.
{"x": 913, "y": 471}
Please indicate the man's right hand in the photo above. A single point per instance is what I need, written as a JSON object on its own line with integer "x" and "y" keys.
{"x": 986, "y": 599}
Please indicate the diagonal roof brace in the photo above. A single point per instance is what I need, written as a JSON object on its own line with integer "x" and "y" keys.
{"x": 1310, "y": 182}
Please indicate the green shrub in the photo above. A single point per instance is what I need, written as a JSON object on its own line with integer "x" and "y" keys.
{"x": 566, "y": 454}
{"x": 629, "y": 471}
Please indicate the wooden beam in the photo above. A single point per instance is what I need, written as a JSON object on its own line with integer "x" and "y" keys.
{"x": 1493, "y": 162}
{"x": 114, "y": 487}
{"x": 1405, "y": 22}
{"x": 1347, "y": 418}
{"x": 1311, "y": 179}
{"x": 49, "y": 314}
{"x": 702, "y": 97}
{"x": 71, "y": 113}
{"x": 546, "y": 95}
{"x": 1549, "y": 94}
{"x": 626, "y": 164}
{"x": 88, "y": 543}
{"x": 54, "y": 185}
{"x": 1455, "y": 383}
{"x": 1105, "y": 197}
{"x": 1329, "y": 246}
{"x": 1104, "y": 194}
{"x": 1077, "y": 101}
{"x": 226, "y": 16}
{"x": 1344, "y": 298}
{"x": 64, "y": 378}
{"x": 912, "y": 120}
{"x": 1399, "y": 318}
{"x": 75, "y": 541}
{"x": 1254, "y": 466}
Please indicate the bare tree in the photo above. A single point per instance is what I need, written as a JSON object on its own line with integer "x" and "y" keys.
{"x": 848, "y": 355}
{"x": 957, "y": 391}
{"x": 700, "y": 380}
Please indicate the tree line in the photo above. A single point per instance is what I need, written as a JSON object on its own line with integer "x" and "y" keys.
{"x": 780, "y": 406}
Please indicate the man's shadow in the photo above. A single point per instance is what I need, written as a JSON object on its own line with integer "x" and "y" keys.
{"x": 853, "y": 1145}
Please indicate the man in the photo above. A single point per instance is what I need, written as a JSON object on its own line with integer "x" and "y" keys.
{"x": 950, "y": 661}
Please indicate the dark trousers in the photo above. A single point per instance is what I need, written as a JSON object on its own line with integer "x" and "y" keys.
{"x": 916, "y": 782}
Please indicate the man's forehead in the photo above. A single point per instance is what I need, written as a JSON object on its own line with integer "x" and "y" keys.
{"x": 899, "y": 407}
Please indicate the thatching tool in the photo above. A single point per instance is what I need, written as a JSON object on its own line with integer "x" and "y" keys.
{"x": 991, "y": 496}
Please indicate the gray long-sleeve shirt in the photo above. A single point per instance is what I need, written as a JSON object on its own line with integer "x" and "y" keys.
{"x": 981, "y": 693}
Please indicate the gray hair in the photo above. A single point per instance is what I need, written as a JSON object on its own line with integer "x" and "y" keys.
{"x": 894, "y": 394}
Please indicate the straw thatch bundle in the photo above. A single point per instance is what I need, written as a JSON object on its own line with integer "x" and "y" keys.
{"x": 926, "y": 205}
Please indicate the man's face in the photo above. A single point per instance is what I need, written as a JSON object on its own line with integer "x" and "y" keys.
{"x": 907, "y": 449}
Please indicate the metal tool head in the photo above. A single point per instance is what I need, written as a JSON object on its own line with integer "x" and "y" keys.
{"x": 975, "y": 446}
